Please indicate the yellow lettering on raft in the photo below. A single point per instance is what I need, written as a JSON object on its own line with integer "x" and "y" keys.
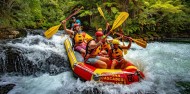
{"x": 112, "y": 79}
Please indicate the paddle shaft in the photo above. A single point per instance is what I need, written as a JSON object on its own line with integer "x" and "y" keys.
{"x": 73, "y": 13}
{"x": 140, "y": 42}
{"x": 122, "y": 35}
{"x": 51, "y": 31}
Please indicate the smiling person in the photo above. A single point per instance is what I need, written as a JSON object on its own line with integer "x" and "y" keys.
{"x": 118, "y": 62}
{"x": 78, "y": 38}
{"x": 93, "y": 52}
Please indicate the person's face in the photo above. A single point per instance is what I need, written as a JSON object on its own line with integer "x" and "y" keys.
{"x": 77, "y": 28}
{"x": 99, "y": 38}
{"x": 74, "y": 20}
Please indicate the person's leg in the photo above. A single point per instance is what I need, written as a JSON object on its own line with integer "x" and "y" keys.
{"x": 114, "y": 63}
{"x": 124, "y": 64}
{"x": 96, "y": 61}
{"x": 101, "y": 64}
{"x": 81, "y": 50}
{"x": 105, "y": 59}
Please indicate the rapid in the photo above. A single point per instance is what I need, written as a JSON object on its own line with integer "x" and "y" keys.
{"x": 37, "y": 65}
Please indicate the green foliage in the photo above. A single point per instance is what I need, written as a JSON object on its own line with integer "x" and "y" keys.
{"x": 157, "y": 16}
{"x": 144, "y": 15}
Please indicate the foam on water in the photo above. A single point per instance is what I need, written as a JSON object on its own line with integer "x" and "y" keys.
{"x": 162, "y": 63}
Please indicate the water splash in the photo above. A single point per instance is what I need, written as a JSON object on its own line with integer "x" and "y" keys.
{"x": 163, "y": 64}
{"x": 33, "y": 54}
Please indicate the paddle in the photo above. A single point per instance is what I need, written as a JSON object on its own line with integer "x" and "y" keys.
{"x": 101, "y": 13}
{"x": 51, "y": 31}
{"x": 124, "y": 50}
{"x": 119, "y": 20}
{"x": 139, "y": 42}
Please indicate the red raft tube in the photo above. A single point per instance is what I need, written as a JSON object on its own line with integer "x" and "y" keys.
{"x": 87, "y": 72}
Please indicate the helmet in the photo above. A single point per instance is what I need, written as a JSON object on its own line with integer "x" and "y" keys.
{"x": 99, "y": 34}
{"x": 115, "y": 41}
{"x": 99, "y": 29}
{"x": 76, "y": 25}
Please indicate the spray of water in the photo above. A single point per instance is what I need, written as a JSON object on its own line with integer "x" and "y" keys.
{"x": 162, "y": 63}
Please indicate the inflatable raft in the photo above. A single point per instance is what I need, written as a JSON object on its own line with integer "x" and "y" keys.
{"x": 87, "y": 72}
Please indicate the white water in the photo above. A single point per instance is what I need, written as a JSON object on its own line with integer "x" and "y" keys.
{"x": 162, "y": 63}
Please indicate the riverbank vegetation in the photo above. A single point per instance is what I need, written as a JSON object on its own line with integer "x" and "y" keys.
{"x": 146, "y": 17}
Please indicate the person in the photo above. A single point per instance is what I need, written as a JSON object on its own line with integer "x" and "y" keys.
{"x": 93, "y": 57}
{"x": 118, "y": 62}
{"x": 78, "y": 38}
{"x": 75, "y": 21}
{"x": 108, "y": 28}
{"x": 105, "y": 48}
{"x": 119, "y": 33}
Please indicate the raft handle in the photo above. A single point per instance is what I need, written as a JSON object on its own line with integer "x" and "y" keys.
{"x": 96, "y": 77}
{"x": 138, "y": 74}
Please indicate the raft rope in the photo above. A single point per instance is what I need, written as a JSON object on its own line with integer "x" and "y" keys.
{"x": 85, "y": 69}
{"x": 115, "y": 73}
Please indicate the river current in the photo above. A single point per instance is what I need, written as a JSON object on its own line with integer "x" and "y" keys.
{"x": 164, "y": 64}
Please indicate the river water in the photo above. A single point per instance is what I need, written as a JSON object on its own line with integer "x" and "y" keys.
{"x": 164, "y": 64}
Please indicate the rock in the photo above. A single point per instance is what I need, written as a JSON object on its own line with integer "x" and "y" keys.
{"x": 14, "y": 32}
{"x": 11, "y": 36}
{"x": 9, "y": 33}
{"x": 4, "y": 89}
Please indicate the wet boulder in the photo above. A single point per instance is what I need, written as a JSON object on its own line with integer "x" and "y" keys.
{"x": 4, "y": 89}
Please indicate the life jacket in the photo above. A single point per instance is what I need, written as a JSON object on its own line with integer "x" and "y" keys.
{"x": 106, "y": 46}
{"x": 117, "y": 53}
{"x": 98, "y": 49}
{"x": 78, "y": 38}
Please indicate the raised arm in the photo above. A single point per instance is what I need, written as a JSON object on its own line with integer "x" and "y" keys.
{"x": 68, "y": 31}
{"x": 128, "y": 46}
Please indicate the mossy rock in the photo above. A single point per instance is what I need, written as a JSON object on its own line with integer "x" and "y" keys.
{"x": 9, "y": 33}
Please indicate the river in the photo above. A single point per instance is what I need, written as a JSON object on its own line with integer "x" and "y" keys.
{"x": 42, "y": 67}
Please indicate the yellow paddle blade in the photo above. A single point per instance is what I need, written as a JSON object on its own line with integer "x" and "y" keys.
{"x": 119, "y": 20}
{"x": 140, "y": 42}
{"x": 101, "y": 12}
{"x": 51, "y": 31}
